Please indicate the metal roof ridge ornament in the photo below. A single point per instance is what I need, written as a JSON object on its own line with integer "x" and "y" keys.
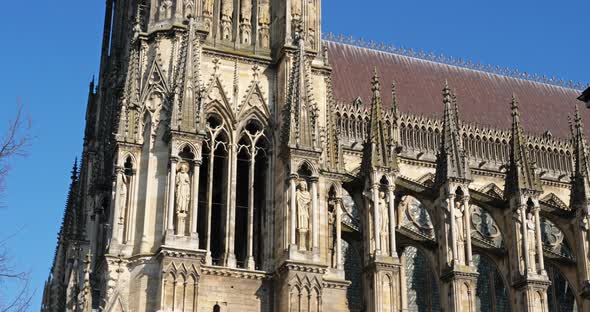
{"x": 449, "y": 60}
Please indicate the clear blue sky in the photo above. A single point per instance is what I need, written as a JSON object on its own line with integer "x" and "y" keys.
{"x": 50, "y": 50}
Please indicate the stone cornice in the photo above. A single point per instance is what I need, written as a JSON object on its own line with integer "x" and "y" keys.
{"x": 236, "y": 273}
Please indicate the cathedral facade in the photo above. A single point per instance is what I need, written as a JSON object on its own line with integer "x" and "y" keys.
{"x": 236, "y": 159}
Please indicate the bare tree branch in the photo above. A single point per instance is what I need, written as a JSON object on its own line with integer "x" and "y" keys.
{"x": 14, "y": 143}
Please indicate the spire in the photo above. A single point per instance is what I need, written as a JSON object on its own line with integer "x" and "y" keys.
{"x": 186, "y": 108}
{"x": 451, "y": 162}
{"x": 394, "y": 105}
{"x": 300, "y": 111}
{"x": 334, "y": 149}
{"x": 580, "y": 178}
{"x": 378, "y": 150}
{"x": 74, "y": 175}
{"x": 521, "y": 174}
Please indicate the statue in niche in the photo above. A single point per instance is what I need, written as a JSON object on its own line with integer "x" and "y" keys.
{"x": 311, "y": 23}
{"x": 166, "y": 9}
{"x": 183, "y": 195}
{"x": 296, "y": 9}
{"x": 332, "y": 231}
{"x": 303, "y": 208}
{"x": 460, "y": 231}
{"x": 384, "y": 226}
{"x": 531, "y": 239}
{"x": 188, "y": 8}
{"x": 519, "y": 238}
{"x": 226, "y": 19}
{"x": 123, "y": 197}
{"x": 207, "y": 14}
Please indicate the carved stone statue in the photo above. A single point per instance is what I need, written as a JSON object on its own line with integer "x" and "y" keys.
{"x": 226, "y": 19}
{"x": 303, "y": 203}
{"x": 264, "y": 22}
{"x": 384, "y": 217}
{"x": 303, "y": 209}
{"x": 208, "y": 7}
{"x": 188, "y": 8}
{"x": 207, "y": 14}
{"x": 123, "y": 197}
{"x": 519, "y": 239}
{"x": 460, "y": 231}
{"x": 296, "y": 9}
{"x": 332, "y": 232}
{"x": 311, "y": 23}
{"x": 183, "y": 189}
{"x": 531, "y": 239}
{"x": 166, "y": 9}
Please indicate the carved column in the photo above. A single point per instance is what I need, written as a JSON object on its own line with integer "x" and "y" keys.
{"x": 392, "y": 222}
{"x": 171, "y": 186}
{"x": 195, "y": 199}
{"x": 315, "y": 216}
{"x": 250, "y": 260}
{"x": 541, "y": 268}
{"x": 229, "y": 257}
{"x": 467, "y": 227}
{"x": 376, "y": 223}
{"x": 208, "y": 259}
{"x": 339, "y": 264}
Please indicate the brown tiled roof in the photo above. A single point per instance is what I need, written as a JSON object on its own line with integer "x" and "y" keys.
{"x": 484, "y": 98}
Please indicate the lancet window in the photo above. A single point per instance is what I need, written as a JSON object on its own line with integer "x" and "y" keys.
{"x": 214, "y": 189}
{"x": 251, "y": 190}
{"x": 491, "y": 293}
{"x": 560, "y": 295}
{"x": 422, "y": 291}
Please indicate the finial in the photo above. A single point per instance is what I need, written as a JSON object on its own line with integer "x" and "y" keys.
{"x": 514, "y": 102}
{"x": 577, "y": 117}
{"x": 75, "y": 170}
{"x": 447, "y": 97}
{"x": 375, "y": 80}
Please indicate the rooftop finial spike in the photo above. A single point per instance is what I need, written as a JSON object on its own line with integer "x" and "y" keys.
{"x": 514, "y": 102}
{"x": 75, "y": 169}
{"x": 375, "y": 82}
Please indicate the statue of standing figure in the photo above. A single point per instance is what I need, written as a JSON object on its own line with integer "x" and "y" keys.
{"x": 296, "y": 9}
{"x": 332, "y": 206}
{"x": 460, "y": 234}
{"x": 384, "y": 226}
{"x": 166, "y": 9}
{"x": 183, "y": 189}
{"x": 123, "y": 197}
{"x": 303, "y": 208}
{"x": 531, "y": 239}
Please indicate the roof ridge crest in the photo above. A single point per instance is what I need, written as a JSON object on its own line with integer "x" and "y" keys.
{"x": 457, "y": 62}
